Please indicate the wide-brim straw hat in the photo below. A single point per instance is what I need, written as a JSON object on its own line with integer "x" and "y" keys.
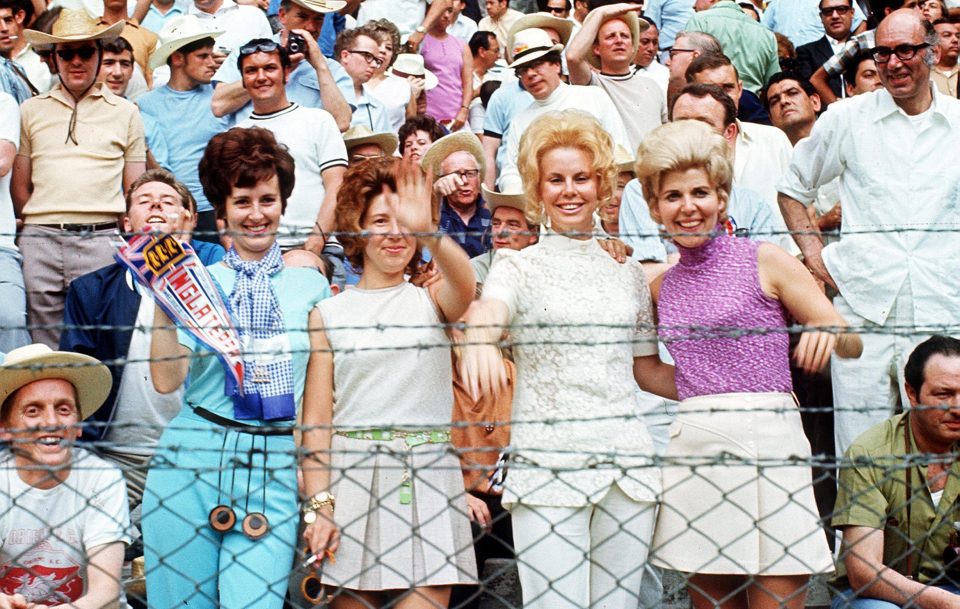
{"x": 494, "y": 199}
{"x": 411, "y": 64}
{"x": 321, "y": 6}
{"x": 465, "y": 141}
{"x": 177, "y": 33}
{"x": 36, "y": 362}
{"x": 361, "y": 134}
{"x": 624, "y": 160}
{"x": 563, "y": 27}
{"x": 636, "y": 25}
{"x": 74, "y": 25}
{"x": 530, "y": 45}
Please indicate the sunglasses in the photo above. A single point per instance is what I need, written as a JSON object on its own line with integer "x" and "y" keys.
{"x": 84, "y": 53}
{"x": 556, "y": 10}
{"x": 259, "y": 46}
{"x": 904, "y": 52}
{"x": 840, "y": 10}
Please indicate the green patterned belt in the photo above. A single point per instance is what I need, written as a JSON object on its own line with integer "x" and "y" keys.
{"x": 411, "y": 438}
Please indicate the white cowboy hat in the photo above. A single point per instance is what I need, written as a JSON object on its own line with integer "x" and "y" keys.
{"x": 358, "y": 135}
{"x": 624, "y": 160}
{"x": 636, "y": 26}
{"x": 530, "y": 45}
{"x": 465, "y": 141}
{"x": 36, "y": 362}
{"x": 177, "y": 33}
{"x": 563, "y": 27}
{"x": 411, "y": 64}
{"x": 321, "y": 6}
{"x": 74, "y": 25}
{"x": 494, "y": 199}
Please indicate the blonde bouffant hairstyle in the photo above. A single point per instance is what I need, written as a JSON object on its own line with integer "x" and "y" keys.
{"x": 569, "y": 129}
{"x": 683, "y": 145}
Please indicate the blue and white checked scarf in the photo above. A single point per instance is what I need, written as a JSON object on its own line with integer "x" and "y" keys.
{"x": 258, "y": 316}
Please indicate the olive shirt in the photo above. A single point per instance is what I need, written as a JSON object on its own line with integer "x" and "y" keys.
{"x": 872, "y": 494}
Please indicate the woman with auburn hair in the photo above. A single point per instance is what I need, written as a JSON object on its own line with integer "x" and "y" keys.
{"x": 386, "y": 493}
{"x": 220, "y": 508}
{"x": 737, "y": 512}
{"x": 583, "y": 483}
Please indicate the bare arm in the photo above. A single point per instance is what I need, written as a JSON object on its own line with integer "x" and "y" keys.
{"x": 417, "y": 85}
{"x": 21, "y": 183}
{"x": 131, "y": 171}
{"x": 481, "y": 364}
{"x": 141, "y": 9}
{"x": 807, "y": 236}
{"x": 326, "y": 218}
{"x": 103, "y": 579}
{"x": 169, "y": 359}
{"x": 466, "y": 93}
{"x": 330, "y": 95}
{"x": 869, "y": 577}
{"x": 654, "y": 376}
{"x": 8, "y": 154}
{"x": 490, "y": 146}
{"x": 229, "y": 97}
{"x": 434, "y": 11}
{"x": 819, "y": 81}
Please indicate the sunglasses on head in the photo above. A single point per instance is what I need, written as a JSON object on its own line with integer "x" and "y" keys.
{"x": 84, "y": 53}
{"x": 259, "y": 46}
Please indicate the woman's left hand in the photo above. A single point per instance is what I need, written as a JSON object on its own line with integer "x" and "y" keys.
{"x": 814, "y": 349}
{"x": 413, "y": 205}
{"x": 617, "y": 249}
{"x": 460, "y": 120}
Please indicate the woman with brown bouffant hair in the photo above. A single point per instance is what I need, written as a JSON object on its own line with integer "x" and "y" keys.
{"x": 383, "y": 458}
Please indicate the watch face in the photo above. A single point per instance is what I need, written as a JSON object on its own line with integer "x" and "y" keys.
{"x": 310, "y": 517}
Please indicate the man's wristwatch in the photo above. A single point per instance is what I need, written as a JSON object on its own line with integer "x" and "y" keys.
{"x": 313, "y": 505}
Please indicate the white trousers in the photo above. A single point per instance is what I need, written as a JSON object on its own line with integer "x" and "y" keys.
{"x": 578, "y": 557}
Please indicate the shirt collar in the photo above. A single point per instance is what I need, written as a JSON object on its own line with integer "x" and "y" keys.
{"x": 98, "y": 90}
{"x": 227, "y": 5}
{"x": 886, "y": 106}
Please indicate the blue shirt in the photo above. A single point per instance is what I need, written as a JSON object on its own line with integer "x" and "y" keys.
{"x": 187, "y": 123}
{"x": 473, "y": 237}
{"x": 367, "y": 109}
{"x": 504, "y": 104}
{"x": 12, "y": 82}
{"x": 154, "y": 19}
{"x": 799, "y": 20}
{"x": 670, "y": 16}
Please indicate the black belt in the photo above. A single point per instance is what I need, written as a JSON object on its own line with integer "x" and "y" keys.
{"x": 255, "y": 430}
{"x": 83, "y": 228}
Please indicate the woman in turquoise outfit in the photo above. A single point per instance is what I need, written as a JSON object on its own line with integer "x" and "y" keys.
{"x": 220, "y": 511}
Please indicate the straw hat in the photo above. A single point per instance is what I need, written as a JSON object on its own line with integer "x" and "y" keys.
{"x": 563, "y": 27}
{"x": 494, "y": 199}
{"x": 74, "y": 25}
{"x": 321, "y": 6}
{"x": 464, "y": 141}
{"x": 411, "y": 64}
{"x": 358, "y": 135}
{"x": 636, "y": 26}
{"x": 177, "y": 33}
{"x": 530, "y": 45}
{"x": 36, "y": 362}
{"x": 624, "y": 160}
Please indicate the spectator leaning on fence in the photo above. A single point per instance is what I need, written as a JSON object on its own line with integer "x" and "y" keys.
{"x": 399, "y": 528}
{"x": 63, "y": 511}
{"x": 898, "y": 500}
{"x": 584, "y": 339}
{"x": 220, "y": 524}
{"x": 727, "y": 524}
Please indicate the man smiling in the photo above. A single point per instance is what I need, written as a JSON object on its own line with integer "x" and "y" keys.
{"x": 64, "y": 511}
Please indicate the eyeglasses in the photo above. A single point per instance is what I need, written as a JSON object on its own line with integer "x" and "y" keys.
{"x": 465, "y": 174}
{"x": 369, "y": 57}
{"x": 533, "y": 65}
{"x": 84, "y": 53}
{"x": 840, "y": 10}
{"x": 675, "y": 51}
{"x": 260, "y": 45}
{"x": 556, "y": 10}
{"x": 359, "y": 158}
{"x": 904, "y": 52}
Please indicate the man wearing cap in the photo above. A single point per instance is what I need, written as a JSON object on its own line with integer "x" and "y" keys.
{"x": 608, "y": 40}
{"x": 537, "y": 63}
{"x": 410, "y": 68}
{"x": 314, "y": 141}
{"x": 180, "y": 111}
{"x": 456, "y": 160}
{"x": 314, "y": 81}
{"x": 363, "y": 144}
{"x": 81, "y": 147}
{"x": 65, "y": 515}
{"x": 509, "y": 227}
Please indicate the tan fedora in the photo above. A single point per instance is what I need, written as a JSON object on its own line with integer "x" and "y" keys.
{"x": 74, "y": 25}
{"x": 530, "y": 45}
{"x": 177, "y": 33}
{"x": 36, "y": 362}
{"x": 358, "y": 135}
{"x": 494, "y": 199}
{"x": 636, "y": 25}
{"x": 411, "y": 64}
{"x": 321, "y": 6}
{"x": 563, "y": 27}
{"x": 464, "y": 141}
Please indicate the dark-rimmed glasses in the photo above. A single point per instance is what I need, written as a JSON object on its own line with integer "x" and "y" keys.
{"x": 465, "y": 174}
{"x": 840, "y": 10}
{"x": 675, "y": 51}
{"x": 369, "y": 57}
{"x": 904, "y": 52}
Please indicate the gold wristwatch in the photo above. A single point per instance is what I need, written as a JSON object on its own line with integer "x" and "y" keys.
{"x": 313, "y": 505}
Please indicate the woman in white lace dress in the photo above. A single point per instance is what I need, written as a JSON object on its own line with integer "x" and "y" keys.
{"x": 582, "y": 482}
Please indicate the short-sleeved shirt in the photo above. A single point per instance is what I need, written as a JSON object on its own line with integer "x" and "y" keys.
{"x": 872, "y": 493}
{"x": 504, "y": 104}
{"x": 240, "y": 23}
{"x": 141, "y": 39}
{"x": 109, "y": 134}
{"x": 473, "y": 236}
{"x": 9, "y": 132}
{"x": 638, "y": 98}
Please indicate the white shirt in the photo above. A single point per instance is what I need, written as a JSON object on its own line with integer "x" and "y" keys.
{"x": 36, "y": 70}
{"x": 10, "y": 132}
{"x": 393, "y": 93}
{"x": 900, "y": 194}
{"x": 659, "y": 73}
{"x": 405, "y": 14}
{"x": 240, "y": 23}
{"x": 592, "y": 100}
{"x": 762, "y": 156}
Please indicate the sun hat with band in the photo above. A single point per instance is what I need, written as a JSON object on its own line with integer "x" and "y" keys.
{"x": 73, "y": 25}
{"x": 359, "y": 135}
{"x": 461, "y": 141}
{"x": 37, "y": 362}
{"x": 411, "y": 64}
{"x": 176, "y": 33}
{"x": 563, "y": 27}
{"x": 530, "y": 45}
{"x": 494, "y": 199}
{"x": 321, "y": 6}
{"x": 636, "y": 25}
